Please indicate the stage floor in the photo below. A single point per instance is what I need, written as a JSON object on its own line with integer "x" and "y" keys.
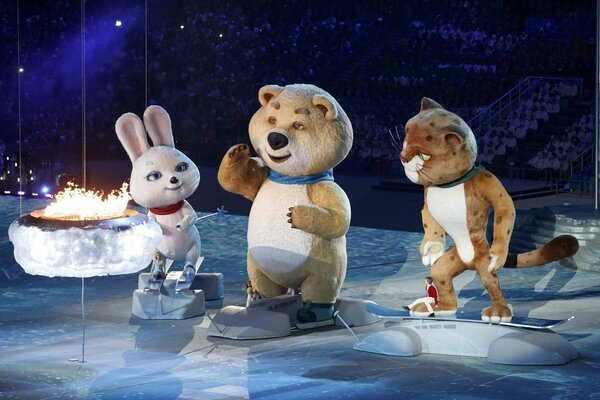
{"x": 40, "y": 328}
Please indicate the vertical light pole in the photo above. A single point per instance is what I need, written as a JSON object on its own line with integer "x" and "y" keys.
{"x": 597, "y": 123}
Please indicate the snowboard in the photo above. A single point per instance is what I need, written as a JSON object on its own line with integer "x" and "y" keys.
{"x": 518, "y": 322}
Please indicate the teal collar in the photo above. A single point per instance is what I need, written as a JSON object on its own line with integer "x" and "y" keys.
{"x": 300, "y": 180}
{"x": 472, "y": 172}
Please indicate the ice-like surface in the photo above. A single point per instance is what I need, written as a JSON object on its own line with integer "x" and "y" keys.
{"x": 136, "y": 359}
{"x": 83, "y": 253}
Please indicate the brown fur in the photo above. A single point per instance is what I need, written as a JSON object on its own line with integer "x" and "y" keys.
{"x": 450, "y": 143}
{"x": 320, "y": 136}
{"x": 241, "y": 174}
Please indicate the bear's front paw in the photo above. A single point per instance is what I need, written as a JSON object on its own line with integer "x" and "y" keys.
{"x": 238, "y": 154}
{"x": 301, "y": 217}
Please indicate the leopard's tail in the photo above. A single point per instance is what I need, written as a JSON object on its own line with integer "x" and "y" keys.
{"x": 558, "y": 248}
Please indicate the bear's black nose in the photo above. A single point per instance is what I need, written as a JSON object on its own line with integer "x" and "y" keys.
{"x": 277, "y": 140}
{"x": 174, "y": 180}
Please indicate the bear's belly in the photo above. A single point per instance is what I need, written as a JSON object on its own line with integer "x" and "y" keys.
{"x": 273, "y": 243}
{"x": 448, "y": 207}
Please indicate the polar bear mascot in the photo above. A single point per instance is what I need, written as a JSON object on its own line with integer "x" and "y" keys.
{"x": 299, "y": 217}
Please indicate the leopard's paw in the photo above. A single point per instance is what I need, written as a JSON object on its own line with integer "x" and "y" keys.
{"x": 496, "y": 314}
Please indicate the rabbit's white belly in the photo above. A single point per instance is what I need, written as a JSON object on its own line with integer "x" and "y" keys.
{"x": 272, "y": 241}
{"x": 175, "y": 244}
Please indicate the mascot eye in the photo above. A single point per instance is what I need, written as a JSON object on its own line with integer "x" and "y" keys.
{"x": 298, "y": 125}
{"x": 424, "y": 157}
{"x": 182, "y": 166}
{"x": 272, "y": 120}
{"x": 153, "y": 176}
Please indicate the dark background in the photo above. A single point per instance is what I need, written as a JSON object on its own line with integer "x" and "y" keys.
{"x": 206, "y": 61}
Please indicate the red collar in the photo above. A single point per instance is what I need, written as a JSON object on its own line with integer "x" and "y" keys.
{"x": 172, "y": 209}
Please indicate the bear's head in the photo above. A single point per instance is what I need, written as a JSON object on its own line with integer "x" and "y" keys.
{"x": 300, "y": 130}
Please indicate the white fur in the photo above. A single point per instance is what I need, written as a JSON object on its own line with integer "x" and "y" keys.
{"x": 180, "y": 240}
{"x": 449, "y": 208}
{"x": 492, "y": 264}
{"x": 432, "y": 250}
{"x": 181, "y": 244}
{"x": 412, "y": 167}
{"x": 300, "y": 159}
{"x": 273, "y": 243}
{"x": 162, "y": 192}
{"x": 497, "y": 319}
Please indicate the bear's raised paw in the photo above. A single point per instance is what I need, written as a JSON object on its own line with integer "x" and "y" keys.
{"x": 238, "y": 153}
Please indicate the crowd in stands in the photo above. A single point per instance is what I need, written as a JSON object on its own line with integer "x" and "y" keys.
{"x": 559, "y": 152}
{"x": 531, "y": 111}
{"x": 207, "y": 60}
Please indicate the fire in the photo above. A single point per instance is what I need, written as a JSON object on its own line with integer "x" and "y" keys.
{"x": 77, "y": 204}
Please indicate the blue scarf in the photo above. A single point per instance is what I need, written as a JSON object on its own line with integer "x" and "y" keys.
{"x": 300, "y": 180}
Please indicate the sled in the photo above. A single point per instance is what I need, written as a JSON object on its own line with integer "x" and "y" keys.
{"x": 276, "y": 317}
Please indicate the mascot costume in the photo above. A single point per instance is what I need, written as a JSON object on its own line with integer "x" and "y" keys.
{"x": 439, "y": 152}
{"x": 300, "y": 216}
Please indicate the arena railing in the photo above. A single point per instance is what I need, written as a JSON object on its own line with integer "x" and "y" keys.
{"x": 511, "y": 99}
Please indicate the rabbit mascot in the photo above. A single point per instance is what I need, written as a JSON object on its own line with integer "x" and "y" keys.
{"x": 162, "y": 177}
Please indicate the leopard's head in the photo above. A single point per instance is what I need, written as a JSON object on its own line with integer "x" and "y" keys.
{"x": 439, "y": 147}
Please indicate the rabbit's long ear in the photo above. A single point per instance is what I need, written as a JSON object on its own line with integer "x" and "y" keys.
{"x": 132, "y": 135}
{"x": 158, "y": 124}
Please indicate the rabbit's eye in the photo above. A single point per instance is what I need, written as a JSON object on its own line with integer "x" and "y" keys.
{"x": 182, "y": 166}
{"x": 272, "y": 120}
{"x": 298, "y": 125}
{"x": 153, "y": 176}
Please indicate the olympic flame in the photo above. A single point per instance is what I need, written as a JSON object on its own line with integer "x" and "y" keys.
{"x": 77, "y": 204}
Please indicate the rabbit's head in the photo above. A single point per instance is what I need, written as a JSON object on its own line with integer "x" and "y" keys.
{"x": 161, "y": 175}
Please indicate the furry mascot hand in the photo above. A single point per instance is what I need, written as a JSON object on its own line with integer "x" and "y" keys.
{"x": 303, "y": 217}
{"x": 498, "y": 255}
{"x": 431, "y": 251}
{"x": 186, "y": 222}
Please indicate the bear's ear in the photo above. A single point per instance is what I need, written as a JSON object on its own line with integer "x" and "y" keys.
{"x": 428, "y": 104}
{"x": 267, "y": 93}
{"x": 326, "y": 105}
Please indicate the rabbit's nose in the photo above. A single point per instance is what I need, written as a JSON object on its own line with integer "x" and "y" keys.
{"x": 174, "y": 180}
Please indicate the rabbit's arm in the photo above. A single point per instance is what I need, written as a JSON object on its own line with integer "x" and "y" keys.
{"x": 189, "y": 217}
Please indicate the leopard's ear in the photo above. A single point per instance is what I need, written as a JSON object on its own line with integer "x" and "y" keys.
{"x": 429, "y": 104}
{"x": 454, "y": 135}
{"x": 454, "y": 139}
